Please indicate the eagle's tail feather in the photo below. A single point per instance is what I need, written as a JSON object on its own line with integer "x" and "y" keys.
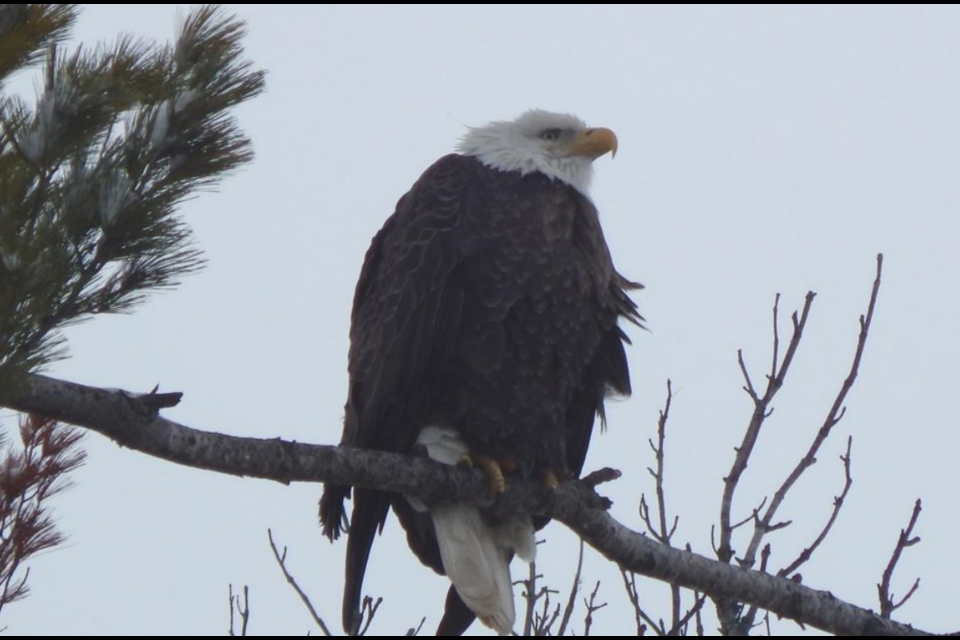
{"x": 476, "y": 563}
{"x": 369, "y": 510}
{"x": 457, "y": 616}
{"x": 476, "y": 555}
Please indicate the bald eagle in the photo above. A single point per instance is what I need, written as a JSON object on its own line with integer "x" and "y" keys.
{"x": 484, "y": 327}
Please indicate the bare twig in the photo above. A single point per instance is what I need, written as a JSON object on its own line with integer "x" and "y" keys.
{"x": 752, "y": 611}
{"x": 731, "y": 620}
{"x": 729, "y": 612}
{"x": 664, "y": 532}
{"x": 838, "y": 503}
{"x": 540, "y": 616}
{"x": 694, "y": 612}
{"x": 548, "y": 616}
{"x": 699, "y": 616}
{"x": 748, "y": 382}
{"x": 281, "y": 558}
{"x": 776, "y": 337}
{"x": 760, "y": 414}
{"x": 641, "y": 618}
{"x": 242, "y": 608}
{"x": 367, "y": 612}
{"x": 765, "y": 524}
{"x": 834, "y": 415}
{"x": 645, "y": 621}
{"x": 530, "y": 596}
{"x": 592, "y": 608}
{"x": 574, "y": 590}
{"x": 887, "y": 602}
{"x": 416, "y": 632}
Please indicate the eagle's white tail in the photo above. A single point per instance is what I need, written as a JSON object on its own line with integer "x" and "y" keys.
{"x": 475, "y": 554}
{"x": 476, "y": 564}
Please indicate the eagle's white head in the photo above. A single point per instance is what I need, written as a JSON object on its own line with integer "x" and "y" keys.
{"x": 559, "y": 145}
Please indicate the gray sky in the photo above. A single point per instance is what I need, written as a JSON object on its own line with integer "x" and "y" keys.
{"x": 762, "y": 150}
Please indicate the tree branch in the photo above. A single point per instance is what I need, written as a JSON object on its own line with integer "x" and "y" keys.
{"x": 834, "y": 416}
{"x": 731, "y": 620}
{"x": 728, "y": 611}
{"x": 241, "y": 608}
{"x": 760, "y": 413}
{"x": 281, "y": 558}
{"x": 574, "y": 590}
{"x": 838, "y": 503}
{"x": 906, "y": 539}
{"x": 124, "y": 418}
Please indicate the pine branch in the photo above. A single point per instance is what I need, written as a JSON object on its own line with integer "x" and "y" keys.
{"x": 26, "y": 30}
{"x": 92, "y": 173}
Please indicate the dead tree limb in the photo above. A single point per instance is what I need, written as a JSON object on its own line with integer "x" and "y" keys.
{"x": 122, "y": 417}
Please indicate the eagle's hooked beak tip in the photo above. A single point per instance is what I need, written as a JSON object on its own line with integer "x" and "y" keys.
{"x": 594, "y": 143}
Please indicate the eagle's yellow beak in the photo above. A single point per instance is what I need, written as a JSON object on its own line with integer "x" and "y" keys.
{"x": 593, "y": 143}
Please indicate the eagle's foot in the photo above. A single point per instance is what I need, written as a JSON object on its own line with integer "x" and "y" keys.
{"x": 549, "y": 479}
{"x": 494, "y": 473}
{"x": 493, "y": 469}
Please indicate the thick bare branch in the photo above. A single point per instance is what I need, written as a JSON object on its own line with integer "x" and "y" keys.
{"x": 122, "y": 417}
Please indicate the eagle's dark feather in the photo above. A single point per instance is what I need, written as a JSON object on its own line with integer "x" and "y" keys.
{"x": 488, "y": 302}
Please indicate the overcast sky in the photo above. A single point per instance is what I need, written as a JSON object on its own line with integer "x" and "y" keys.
{"x": 762, "y": 150}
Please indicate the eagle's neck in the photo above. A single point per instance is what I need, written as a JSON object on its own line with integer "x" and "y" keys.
{"x": 504, "y": 149}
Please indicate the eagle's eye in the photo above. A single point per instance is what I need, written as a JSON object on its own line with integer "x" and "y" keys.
{"x": 550, "y": 135}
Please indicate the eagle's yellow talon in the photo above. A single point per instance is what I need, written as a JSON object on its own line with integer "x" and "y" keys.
{"x": 550, "y": 480}
{"x": 498, "y": 484}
